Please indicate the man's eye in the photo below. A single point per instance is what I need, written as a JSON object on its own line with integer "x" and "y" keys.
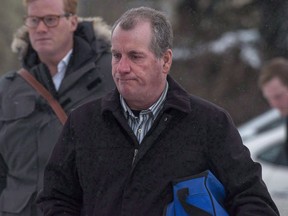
{"x": 50, "y": 19}
{"x": 116, "y": 55}
{"x": 135, "y": 57}
{"x": 34, "y": 20}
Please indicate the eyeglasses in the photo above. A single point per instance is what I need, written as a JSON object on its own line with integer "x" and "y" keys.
{"x": 49, "y": 20}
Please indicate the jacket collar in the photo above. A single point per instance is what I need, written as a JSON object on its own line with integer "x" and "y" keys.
{"x": 177, "y": 98}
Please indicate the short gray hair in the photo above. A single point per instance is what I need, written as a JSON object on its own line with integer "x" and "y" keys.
{"x": 162, "y": 33}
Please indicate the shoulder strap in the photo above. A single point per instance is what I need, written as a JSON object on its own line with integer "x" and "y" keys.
{"x": 45, "y": 94}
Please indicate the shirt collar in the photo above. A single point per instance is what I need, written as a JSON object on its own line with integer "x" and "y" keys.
{"x": 62, "y": 65}
{"x": 61, "y": 69}
{"x": 154, "y": 108}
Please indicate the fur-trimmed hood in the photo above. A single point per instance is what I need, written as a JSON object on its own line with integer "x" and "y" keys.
{"x": 21, "y": 42}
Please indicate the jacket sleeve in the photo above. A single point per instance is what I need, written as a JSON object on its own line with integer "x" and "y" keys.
{"x": 62, "y": 194}
{"x": 247, "y": 194}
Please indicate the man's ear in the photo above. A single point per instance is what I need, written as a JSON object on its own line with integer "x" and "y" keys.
{"x": 167, "y": 61}
{"x": 74, "y": 22}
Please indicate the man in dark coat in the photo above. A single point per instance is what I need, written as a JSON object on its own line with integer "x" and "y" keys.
{"x": 120, "y": 155}
{"x": 71, "y": 58}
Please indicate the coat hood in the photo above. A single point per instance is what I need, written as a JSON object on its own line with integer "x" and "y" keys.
{"x": 21, "y": 41}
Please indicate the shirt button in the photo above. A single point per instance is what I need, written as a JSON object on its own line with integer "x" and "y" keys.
{"x": 139, "y": 130}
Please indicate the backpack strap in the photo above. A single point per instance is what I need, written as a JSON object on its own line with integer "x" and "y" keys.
{"x": 57, "y": 108}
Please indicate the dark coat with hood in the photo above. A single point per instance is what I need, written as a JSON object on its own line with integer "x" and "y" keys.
{"x": 28, "y": 127}
{"x": 99, "y": 164}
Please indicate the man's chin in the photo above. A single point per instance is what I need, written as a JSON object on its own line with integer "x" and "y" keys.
{"x": 284, "y": 113}
{"x": 44, "y": 51}
{"x": 43, "y": 47}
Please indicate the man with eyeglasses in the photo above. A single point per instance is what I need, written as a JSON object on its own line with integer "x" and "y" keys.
{"x": 71, "y": 58}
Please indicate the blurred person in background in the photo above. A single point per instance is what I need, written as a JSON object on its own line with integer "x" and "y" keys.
{"x": 120, "y": 155}
{"x": 273, "y": 82}
{"x": 71, "y": 58}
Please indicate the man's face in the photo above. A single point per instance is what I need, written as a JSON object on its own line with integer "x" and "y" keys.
{"x": 276, "y": 94}
{"x": 55, "y": 41}
{"x": 139, "y": 75}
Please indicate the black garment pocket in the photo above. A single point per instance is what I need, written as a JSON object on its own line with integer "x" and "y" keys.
{"x": 17, "y": 107}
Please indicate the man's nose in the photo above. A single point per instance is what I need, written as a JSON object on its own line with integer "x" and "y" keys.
{"x": 123, "y": 65}
{"x": 41, "y": 26}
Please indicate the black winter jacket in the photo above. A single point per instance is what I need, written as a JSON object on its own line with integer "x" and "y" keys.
{"x": 29, "y": 128}
{"x": 99, "y": 166}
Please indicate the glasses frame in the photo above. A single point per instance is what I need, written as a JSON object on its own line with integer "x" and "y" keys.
{"x": 44, "y": 20}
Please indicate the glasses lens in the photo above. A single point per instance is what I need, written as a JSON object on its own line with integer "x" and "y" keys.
{"x": 32, "y": 21}
{"x": 51, "y": 21}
